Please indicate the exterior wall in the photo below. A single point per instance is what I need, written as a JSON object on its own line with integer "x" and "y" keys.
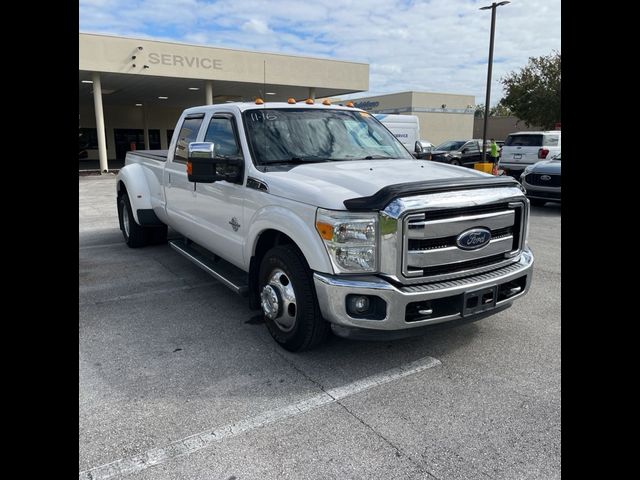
{"x": 500, "y": 127}
{"x": 103, "y": 53}
{"x": 162, "y": 118}
{"x": 440, "y": 127}
{"x": 437, "y": 124}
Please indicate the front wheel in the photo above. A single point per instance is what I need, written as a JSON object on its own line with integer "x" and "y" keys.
{"x": 455, "y": 162}
{"x": 288, "y": 300}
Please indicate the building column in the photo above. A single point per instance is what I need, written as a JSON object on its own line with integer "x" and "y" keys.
{"x": 208, "y": 88}
{"x": 312, "y": 93}
{"x": 145, "y": 125}
{"x": 102, "y": 141}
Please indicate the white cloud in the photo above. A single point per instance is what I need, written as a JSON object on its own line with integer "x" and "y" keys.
{"x": 437, "y": 45}
{"x": 256, "y": 26}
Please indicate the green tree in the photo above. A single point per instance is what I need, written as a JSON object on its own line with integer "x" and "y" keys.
{"x": 499, "y": 110}
{"x": 533, "y": 93}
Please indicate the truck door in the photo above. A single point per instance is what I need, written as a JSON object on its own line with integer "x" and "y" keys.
{"x": 179, "y": 192}
{"x": 219, "y": 205}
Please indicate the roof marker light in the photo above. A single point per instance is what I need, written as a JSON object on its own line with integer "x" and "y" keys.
{"x": 349, "y": 104}
{"x": 291, "y": 100}
{"x": 326, "y": 102}
{"x": 259, "y": 101}
{"x": 309, "y": 101}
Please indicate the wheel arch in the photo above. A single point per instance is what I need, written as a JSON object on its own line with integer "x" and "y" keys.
{"x": 132, "y": 179}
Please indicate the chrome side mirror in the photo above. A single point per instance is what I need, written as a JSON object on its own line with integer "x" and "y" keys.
{"x": 201, "y": 150}
{"x": 201, "y": 165}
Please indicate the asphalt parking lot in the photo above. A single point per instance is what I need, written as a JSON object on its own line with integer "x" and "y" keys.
{"x": 178, "y": 379}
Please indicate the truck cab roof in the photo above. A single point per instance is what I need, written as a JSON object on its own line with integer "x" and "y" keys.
{"x": 242, "y": 106}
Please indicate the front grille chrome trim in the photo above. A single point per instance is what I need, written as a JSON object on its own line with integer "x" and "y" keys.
{"x": 425, "y": 219}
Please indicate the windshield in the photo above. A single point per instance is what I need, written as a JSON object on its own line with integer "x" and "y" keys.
{"x": 448, "y": 146}
{"x": 312, "y": 135}
{"x": 524, "y": 140}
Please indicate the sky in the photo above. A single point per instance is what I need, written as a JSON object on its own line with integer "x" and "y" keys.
{"x": 430, "y": 46}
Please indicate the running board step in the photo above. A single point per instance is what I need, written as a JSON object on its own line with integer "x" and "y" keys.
{"x": 220, "y": 269}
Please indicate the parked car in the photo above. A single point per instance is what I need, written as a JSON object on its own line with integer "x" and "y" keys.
{"x": 542, "y": 181}
{"x": 456, "y": 152}
{"x": 326, "y": 222}
{"x": 423, "y": 149}
{"x": 526, "y": 148}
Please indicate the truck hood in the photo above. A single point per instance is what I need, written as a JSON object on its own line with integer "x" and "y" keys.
{"x": 550, "y": 167}
{"x": 329, "y": 184}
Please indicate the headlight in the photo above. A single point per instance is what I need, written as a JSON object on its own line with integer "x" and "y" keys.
{"x": 527, "y": 171}
{"x": 350, "y": 239}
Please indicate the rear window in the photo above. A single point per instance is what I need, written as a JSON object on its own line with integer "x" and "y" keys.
{"x": 524, "y": 141}
{"x": 551, "y": 140}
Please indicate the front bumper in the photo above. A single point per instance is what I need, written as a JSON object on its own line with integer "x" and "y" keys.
{"x": 332, "y": 294}
{"x": 540, "y": 192}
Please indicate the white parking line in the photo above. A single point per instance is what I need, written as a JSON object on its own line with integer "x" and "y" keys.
{"x": 196, "y": 442}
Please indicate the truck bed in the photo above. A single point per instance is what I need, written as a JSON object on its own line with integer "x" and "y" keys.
{"x": 160, "y": 155}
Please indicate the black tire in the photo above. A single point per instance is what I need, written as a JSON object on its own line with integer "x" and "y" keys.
{"x": 536, "y": 202}
{"x": 309, "y": 328}
{"x": 136, "y": 236}
{"x": 156, "y": 235}
{"x": 455, "y": 162}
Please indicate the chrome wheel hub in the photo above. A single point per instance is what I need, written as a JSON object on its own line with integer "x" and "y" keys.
{"x": 278, "y": 301}
{"x": 270, "y": 303}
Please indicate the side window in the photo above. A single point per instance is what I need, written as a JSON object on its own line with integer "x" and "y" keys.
{"x": 551, "y": 140}
{"x": 188, "y": 134}
{"x": 471, "y": 147}
{"x": 222, "y": 133}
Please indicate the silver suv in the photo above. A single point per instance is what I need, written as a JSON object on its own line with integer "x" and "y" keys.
{"x": 526, "y": 148}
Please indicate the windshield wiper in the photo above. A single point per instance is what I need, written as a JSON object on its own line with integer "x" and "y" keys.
{"x": 299, "y": 160}
{"x": 375, "y": 157}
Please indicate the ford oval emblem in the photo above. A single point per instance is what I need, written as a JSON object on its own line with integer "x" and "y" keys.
{"x": 473, "y": 239}
{"x": 546, "y": 178}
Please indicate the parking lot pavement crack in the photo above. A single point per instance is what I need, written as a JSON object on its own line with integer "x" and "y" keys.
{"x": 208, "y": 438}
{"x": 302, "y": 372}
{"x": 336, "y": 395}
{"x": 399, "y": 451}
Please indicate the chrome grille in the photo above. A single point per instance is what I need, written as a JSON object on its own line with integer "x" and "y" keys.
{"x": 429, "y": 239}
{"x": 543, "y": 180}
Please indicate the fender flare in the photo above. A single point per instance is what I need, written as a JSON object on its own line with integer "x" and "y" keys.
{"x": 135, "y": 181}
{"x": 273, "y": 217}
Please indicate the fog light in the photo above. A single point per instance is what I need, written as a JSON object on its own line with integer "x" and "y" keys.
{"x": 358, "y": 304}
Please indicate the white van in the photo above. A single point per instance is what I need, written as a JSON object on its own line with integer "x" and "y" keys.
{"x": 406, "y": 128}
{"x": 526, "y": 148}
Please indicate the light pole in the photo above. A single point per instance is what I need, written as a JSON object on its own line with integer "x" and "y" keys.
{"x": 493, "y": 7}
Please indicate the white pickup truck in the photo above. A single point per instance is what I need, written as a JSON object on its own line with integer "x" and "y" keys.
{"x": 326, "y": 222}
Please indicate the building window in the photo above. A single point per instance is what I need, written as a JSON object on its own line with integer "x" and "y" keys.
{"x": 88, "y": 138}
{"x": 154, "y": 139}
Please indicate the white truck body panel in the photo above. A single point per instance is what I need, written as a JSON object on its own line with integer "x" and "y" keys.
{"x": 405, "y": 128}
{"x": 228, "y": 218}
